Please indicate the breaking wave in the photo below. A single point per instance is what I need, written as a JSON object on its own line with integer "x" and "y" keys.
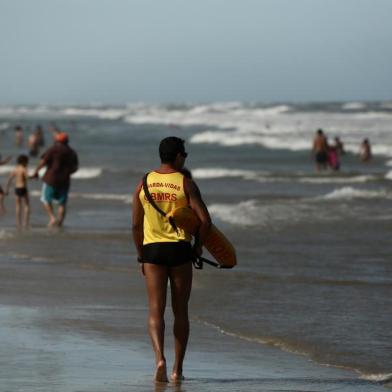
{"x": 353, "y": 193}
{"x": 125, "y": 198}
{"x": 87, "y": 173}
{"x": 83, "y": 173}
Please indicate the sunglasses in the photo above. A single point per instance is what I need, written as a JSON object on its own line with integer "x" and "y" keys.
{"x": 184, "y": 154}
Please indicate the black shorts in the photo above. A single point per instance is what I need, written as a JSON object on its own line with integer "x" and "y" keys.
{"x": 21, "y": 192}
{"x": 171, "y": 254}
{"x": 321, "y": 157}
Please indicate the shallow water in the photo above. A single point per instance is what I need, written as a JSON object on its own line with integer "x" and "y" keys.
{"x": 314, "y": 274}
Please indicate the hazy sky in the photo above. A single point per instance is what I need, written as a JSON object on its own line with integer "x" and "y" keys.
{"x": 116, "y": 51}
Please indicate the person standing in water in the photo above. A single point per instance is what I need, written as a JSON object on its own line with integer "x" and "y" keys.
{"x": 165, "y": 252}
{"x": 365, "y": 152}
{"x": 60, "y": 161}
{"x": 18, "y": 136}
{"x": 320, "y": 150}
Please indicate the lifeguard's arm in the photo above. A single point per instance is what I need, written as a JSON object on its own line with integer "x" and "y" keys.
{"x": 198, "y": 206}
{"x": 40, "y": 165}
{"x": 137, "y": 220}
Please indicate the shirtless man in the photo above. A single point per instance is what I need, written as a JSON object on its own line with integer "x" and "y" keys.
{"x": 320, "y": 150}
{"x": 61, "y": 161}
{"x": 365, "y": 152}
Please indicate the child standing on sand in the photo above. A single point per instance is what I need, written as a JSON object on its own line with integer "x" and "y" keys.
{"x": 20, "y": 175}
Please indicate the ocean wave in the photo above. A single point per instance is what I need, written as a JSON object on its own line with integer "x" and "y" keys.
{"x": 6, "y": 169}
{"x": 380, "y": 377}
{"x": 353, "y": 106}
{"x": 4, "y": 126}
{"x": 125, "y": 198}
{"x": 353, "y": 193}
{"x": 252, "y": 213}
{"x": 243, "y": 213}
{"x": 233, "y": 138}
{"x": 101, "y": 113}
{"x": 294, "y": 348}
{"x": 235, "y": 123}
{"x": 208, "y": 173}
{"x": 337, "y": 180}
{"x": 87, "y": 173}
{"x": 264, "y": 176}
{"x": 388, "y": 176}
{"x": 83, "y": 173}
{"x": 5, "y": 235}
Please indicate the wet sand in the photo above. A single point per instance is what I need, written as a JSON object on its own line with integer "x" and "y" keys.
{"x": 68, "y": 327}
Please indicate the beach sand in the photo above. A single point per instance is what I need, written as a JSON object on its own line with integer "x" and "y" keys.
{"x": 69, "y": 327}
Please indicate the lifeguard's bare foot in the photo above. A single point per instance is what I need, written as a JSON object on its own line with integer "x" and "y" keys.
{"x": 177, "y": 377}
{"x": 161, "y": 373}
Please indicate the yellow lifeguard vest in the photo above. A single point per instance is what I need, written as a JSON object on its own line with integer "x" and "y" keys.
{"x": 167, "y": 190}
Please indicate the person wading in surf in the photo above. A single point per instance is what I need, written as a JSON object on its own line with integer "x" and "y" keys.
{"x": 165, "y": 252}
{"x": 60, "y": 161}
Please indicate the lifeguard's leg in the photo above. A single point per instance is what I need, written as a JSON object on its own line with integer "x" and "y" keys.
{"x": 181, "y": 285}
{"x": 156, "y": 282}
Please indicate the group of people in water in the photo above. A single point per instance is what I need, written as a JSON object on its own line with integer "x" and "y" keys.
{"x": 59, "y": 160}
{"x": 328, "y": 155}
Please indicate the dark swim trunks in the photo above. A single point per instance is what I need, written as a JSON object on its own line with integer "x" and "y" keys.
{"x": 321, "y": 157}
{"x": 171, "y": 254}
{"x": 21, "y": 192}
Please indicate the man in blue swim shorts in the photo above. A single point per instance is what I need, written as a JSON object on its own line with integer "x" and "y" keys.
{"x": 60, "y": 161}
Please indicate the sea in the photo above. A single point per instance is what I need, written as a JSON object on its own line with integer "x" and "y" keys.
{"x": 314, "y": 273}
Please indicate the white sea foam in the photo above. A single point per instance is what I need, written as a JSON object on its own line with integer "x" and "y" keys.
{"x": 337, "y": 180}
{"x": 87, "y": 173}
{"x": 5, "y": 235}
{"x": 206, "y": 173}
{"x": 389, "y": 163}
{"x": 102, "y": 113}
{"x": 352, "y": 193}
{"x": 236, "y": 138}
{"x": 353, "y": 106}
{"x": 82, "y": 174}
{"x": 388, "y": 176}
{"x": 6, "y": 169}
{"x": 236, "y": 124}
{"x": 243, "y": 213}
{"x": 4, "y": 126}
{"x": 251, "y": 213}
{"x": 125, "y": 198}
{"x": 380, "y": 377}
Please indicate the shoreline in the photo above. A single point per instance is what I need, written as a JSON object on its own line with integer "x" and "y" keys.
{"x": 78, "y": 329}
